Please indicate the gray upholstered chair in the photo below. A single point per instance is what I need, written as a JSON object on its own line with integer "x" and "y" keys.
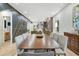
{"x": 25, "y": 35}
{"x": 51, "y": 53}
{"x": 19, "y": 39}
{"x": 54, "y": 36}
{"x": 62, "y": 41}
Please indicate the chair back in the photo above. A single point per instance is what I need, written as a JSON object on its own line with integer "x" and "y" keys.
{"x": 19, "y": 39}
{"x": 25, "y": 35}
{"x": 63, "y": 42}
{"x": 55, "y": 36}
{"x": 38, "y": 54}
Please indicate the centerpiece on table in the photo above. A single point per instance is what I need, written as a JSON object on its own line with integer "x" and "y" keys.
{"x": 39, "y": 34}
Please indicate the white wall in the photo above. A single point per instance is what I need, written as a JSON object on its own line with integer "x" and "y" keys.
{"x": 8, "y": 28}
{"x": 65, "y": 20}
{"x": 1, "y": 30}
{"x": 8, "y": 14}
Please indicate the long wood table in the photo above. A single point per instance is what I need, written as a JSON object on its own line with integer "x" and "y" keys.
{"x": 32, "y": 42}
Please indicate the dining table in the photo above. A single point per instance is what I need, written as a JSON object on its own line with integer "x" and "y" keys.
{"x": 32, "y": 42}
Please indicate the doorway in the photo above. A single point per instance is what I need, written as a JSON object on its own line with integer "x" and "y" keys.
{"x": 7, "y": 29}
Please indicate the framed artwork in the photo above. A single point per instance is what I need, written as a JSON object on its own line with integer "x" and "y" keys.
{"x": 76, "y": 18}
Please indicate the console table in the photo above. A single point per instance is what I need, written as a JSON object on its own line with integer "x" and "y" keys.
{"x": 73, "y": 42}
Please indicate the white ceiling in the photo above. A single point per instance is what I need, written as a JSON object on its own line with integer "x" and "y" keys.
{"x": 38, "y": 11}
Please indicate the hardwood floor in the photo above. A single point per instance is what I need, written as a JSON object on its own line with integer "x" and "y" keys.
{"x": 70, "y": 53}
{"x": 10, "y": 50}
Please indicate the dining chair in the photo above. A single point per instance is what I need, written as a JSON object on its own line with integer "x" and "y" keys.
{"x": 25, "y": 35}
{"x": 19, "y": 39}
{"x": 40, "y": 51}
{"x": 54, "y": 36}
{"x": 62, "y": 41}
{"x": 51, "y": 53}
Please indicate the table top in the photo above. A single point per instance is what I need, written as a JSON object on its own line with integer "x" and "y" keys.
{"x": 39, "y": 43}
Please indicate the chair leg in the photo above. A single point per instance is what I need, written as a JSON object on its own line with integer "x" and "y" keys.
{"x": 58, "y": 54}
{"x": 64, "y": 54}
